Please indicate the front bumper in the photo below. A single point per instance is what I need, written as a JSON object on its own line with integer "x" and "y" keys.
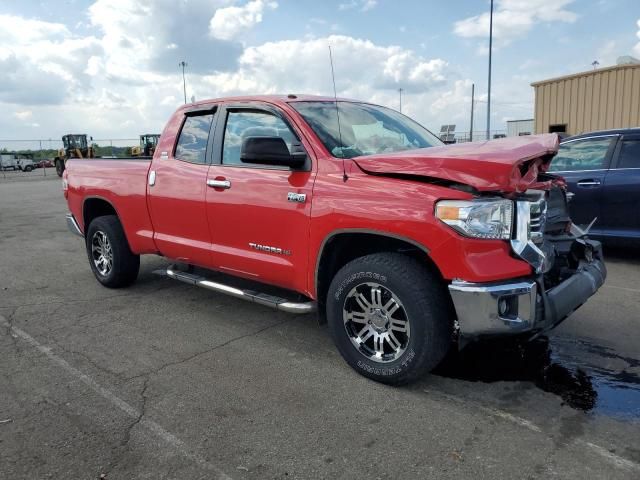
{"x": 523, "y": 306}
{"x": 73, "y": 226}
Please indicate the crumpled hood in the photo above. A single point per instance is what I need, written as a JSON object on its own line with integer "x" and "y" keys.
{"x": 504, "y": 165}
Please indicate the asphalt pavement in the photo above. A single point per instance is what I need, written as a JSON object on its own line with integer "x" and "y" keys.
{"x": 164, "y": 380}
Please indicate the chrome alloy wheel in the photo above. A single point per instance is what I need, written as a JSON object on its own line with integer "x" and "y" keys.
{"x": 376, "y": 322}
{"x": 102, "y": 253}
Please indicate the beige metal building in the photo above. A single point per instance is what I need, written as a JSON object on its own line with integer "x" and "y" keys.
{"x": 594, "y": 100}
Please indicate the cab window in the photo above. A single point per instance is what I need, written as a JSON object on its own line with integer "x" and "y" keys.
{"x": 583, "y": 154}
{"x": 242, "y": 124}
{"x": 630, "y": 154}
{"x": 192, "y": 142}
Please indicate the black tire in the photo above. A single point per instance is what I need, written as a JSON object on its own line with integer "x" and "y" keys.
{"x": 59, "y": 166}
{"x": 124, "y": 265}
{"x": 28, "y": 168}
{"x": 423, "y": 297}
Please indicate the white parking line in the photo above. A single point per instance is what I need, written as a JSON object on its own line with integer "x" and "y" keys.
{"x": 612, "y": 458}
{"x": 626, "y": 289}
{"x": 131, "y": 411}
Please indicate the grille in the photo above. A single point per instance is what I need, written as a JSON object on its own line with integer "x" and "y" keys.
{"x": 537, "y": 216}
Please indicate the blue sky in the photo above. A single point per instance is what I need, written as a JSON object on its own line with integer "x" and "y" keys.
{"x": 110, "y": 66}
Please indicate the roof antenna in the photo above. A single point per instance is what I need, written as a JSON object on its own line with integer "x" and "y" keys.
{"x": 335, "y": 96}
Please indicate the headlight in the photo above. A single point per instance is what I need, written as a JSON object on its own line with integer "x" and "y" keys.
{"x": 491, "y": 219}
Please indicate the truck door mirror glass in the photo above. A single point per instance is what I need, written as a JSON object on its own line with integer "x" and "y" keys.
{"x": 271, "y": 151}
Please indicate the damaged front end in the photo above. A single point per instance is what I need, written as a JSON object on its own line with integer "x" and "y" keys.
{"x": 568, "y": 269}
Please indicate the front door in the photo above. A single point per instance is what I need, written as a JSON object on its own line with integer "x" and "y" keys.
{"x": 177, "y": 193}
{"x": 258, "y": 214}
{"x": 583, "y": 163}
{"x": 621, "y": 195}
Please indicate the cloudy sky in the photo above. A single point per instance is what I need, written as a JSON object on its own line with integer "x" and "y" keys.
{"x": 110, "y": 67}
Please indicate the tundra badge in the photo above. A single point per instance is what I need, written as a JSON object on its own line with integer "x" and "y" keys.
{"x": 297, "y": 197}
{"x": 267, "y": 248}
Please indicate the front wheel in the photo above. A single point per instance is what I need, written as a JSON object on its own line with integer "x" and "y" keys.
{"x": 389, "y": 317}
{"x": 111, "y": 259}
{"x": 59, "y": 167}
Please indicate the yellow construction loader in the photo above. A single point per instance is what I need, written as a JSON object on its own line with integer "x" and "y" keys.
{"x": 74, "y": 146}
{"x": 148, "y": 144}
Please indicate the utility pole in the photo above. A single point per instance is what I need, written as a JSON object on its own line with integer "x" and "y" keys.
{"x": 473, "y": 88}
{"x": 400, "y": 92}
{"x": 489, "y": 82}
{"x": 184, "y": 82}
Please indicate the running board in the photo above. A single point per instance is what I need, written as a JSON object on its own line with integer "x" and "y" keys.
{"x": 272, "y": 301}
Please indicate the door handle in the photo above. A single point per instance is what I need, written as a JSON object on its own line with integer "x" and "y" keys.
{"x": 152, "y": 178}
{"x": 589, "y": 183}
{"x": 219, "y": 184}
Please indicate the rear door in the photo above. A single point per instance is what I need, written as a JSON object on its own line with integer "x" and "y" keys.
{"x": 259, "y": 214}
{"x": 621, "y": 194}
{"x": 177, "y": 192}
{"x": 583, "y": 163}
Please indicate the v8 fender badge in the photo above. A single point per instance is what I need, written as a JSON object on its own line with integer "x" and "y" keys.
{"x": 297, "y": 197}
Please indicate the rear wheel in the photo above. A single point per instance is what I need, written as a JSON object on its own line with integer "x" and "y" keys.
{"x": 111, "y": 259}
{"x": 389, "y": 317}
{"x": 59, "y": 166}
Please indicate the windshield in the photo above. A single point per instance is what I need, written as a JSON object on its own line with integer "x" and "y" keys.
{"x": 364, "y": 129}
{"x": 149, "y": 140}
{"x": 76, "y": 141}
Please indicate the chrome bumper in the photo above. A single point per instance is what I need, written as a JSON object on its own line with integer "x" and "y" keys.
{"x": 73, "y": 225}
{"x": 523, "y": 306}
{"x": 494, "y": 308}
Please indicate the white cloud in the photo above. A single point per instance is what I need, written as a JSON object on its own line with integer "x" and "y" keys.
{"x": 362, "y": 5}
{"x": 364, "y": 70}
{"x": 361, "y": 66}
{"x": 636, "y": 49}
{"x": 514, "y": 18}
{"x": 123, "y": 77}
{"x": 24, "y": 31}
{"x": 42, "y": 62}
{"x": 156, "y": 35}
{"x": 227, "y": 23}
{"x": 23, "y": 114}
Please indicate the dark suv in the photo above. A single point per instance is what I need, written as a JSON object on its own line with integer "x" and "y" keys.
{"x": 602, "y": 169}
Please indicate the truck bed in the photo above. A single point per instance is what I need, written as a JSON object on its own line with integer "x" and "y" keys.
{"x": 120, "y": 181}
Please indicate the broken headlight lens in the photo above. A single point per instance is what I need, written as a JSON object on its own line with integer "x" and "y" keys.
{"x": 489, "y": 219}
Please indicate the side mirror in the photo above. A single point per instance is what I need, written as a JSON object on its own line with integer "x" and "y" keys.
{"x": 271, "y": 151}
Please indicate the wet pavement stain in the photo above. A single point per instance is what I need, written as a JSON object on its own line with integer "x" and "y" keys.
{"x": 587, "y": 376}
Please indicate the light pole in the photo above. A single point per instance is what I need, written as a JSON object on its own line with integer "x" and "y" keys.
{"x": 489, "y": 82}
{"x": 473, "y": 91}
{"x": 400, "y": 93}
{"x": 183, "y": 64}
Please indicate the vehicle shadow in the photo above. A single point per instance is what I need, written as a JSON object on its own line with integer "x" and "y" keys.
{"x": 628, "y": 252}
{"x": 576, "y": 370}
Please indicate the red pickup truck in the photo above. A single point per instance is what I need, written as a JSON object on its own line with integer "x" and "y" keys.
{"x": 401, "y": 244}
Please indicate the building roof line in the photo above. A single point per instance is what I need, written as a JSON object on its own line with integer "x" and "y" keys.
{"x": 586, "y": 73}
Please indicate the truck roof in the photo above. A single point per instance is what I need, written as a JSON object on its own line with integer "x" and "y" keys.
{"x": 277, "y": 99}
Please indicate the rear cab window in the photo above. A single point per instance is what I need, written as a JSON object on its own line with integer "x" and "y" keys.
{"x": 193, "y": 139}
